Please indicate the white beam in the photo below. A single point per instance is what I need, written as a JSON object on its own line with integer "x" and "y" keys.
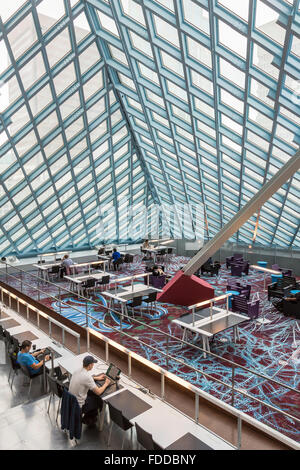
{"x": 252, "y": 206}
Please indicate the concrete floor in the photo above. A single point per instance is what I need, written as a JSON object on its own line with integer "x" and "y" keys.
{"x": 25, "y": 424}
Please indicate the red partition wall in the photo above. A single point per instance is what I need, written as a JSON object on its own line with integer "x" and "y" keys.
{"x": 186, "y": 290}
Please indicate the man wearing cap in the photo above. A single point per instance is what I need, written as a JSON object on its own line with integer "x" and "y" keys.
{"x": 83, "y": 386}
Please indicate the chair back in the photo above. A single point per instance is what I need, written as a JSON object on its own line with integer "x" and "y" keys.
{"x": 54, "y": 386}
{"x": 55, "y": 270}
{"x": 144, "y": 438}
{"x": 89, "y": 283}
{"x": 1, "y": 331}
{"x": 7, "y": 336}
{"x": 105, "y": 279}
{"x": 117, "y": 417}
{"x": 152, "y": 297}
{"x": 127, "y": 258}
{"x": 136, "y": 301}
{"x": 170, "y": 251}
{"x": 157, "y": 281}
{"x": 13, "y": 361}
{"x": 25, "y": 371}
{"x": 237, "y": 256}
{"x": 236, "y": 269}
{"x": 275, "y": 267}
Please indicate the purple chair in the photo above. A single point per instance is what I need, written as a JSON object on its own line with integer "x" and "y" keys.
{"x": 157, "y": 281}
{"x": 242, "y": 305}
{"x": 237, "y": 257}
{"x": 284, "y": 271}
{"x": 244, "y": 290}
{"x": 236, "y": 269}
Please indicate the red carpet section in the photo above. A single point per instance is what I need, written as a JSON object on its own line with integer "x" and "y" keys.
{"x": 186, "y": 290}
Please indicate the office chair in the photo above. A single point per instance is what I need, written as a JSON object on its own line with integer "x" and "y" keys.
{"x": 117, "y": 418}
{"x": 136, "y": 302}
{"x": 15, "y": 366}
{"x": 55, "y": 390}
{"x": 104, "y": 281}
{"x": 150, "y": 299}
{"x": 54, "y": 273}
{"x": 88, "y": 285}
{"x": 144, "y": 438}
{"x": 161, "y": 254}
{"x": 30, "y": 376}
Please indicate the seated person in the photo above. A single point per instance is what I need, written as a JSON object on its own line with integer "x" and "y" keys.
{"x": 83, "y": 386}
{"x": 156, "y": 271}
{"x": 116, "y": 257}
{"x": 26, "y": 359}
{"x": 146, "y": 245}
{"x": 66, "y": 263}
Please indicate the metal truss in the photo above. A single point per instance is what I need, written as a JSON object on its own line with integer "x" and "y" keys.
{"x": 170, "y": 102}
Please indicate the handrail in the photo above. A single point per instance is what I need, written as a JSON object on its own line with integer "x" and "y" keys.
{"x": 180, "y": 361}
{"x": 233, "y": 364}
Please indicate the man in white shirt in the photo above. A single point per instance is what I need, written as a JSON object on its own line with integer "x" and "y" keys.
{"x": 85, "y": 389}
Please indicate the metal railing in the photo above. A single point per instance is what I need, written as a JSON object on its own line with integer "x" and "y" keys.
{"x": 232, "y": 389}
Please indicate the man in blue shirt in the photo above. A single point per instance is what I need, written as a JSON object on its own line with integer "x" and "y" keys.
{"x": 116, "y": 257}
{"x": 26, "y": 359}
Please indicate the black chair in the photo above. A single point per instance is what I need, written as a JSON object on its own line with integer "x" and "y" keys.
{"x": 54, "y": 273}
{"x": 136, "y": 302}
{"x": 88, "y": 285}
{"x": 7, "y": 339}
{"x": 117, "y": 418}
{"x": 56, "y": 389}
{"x": 14, "y": 346}
{"x": 1, "y": 332}
{"x": 104, "y": 281}
{"x": 144, "y": 438}
{"x": 160, "y": 254}
{"x": 128, "y": 258}
{"x": 119, "y": 262}
{"x": 31, "y": 377}
{"x": 15, "y": 366}
{"x": 151, "y": 298}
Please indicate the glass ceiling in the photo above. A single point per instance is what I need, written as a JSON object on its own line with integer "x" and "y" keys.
{"x": 166, "y": 102}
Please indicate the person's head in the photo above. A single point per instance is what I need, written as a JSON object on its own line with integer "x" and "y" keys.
{"x": 66, "y": 256}
{"x": 26, "y": 346}
{"x": 155, "y": 267}
{"x": 88, "y": 362}
{"x": 146, "y": 241}
{"x": 114, "y": 250}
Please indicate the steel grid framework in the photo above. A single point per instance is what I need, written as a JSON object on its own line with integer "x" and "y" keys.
{"x": 167, "y": 102}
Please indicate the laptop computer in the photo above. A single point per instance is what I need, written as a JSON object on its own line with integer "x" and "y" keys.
{"x": 55, "y": 354}
{"x": 113, "y": 373}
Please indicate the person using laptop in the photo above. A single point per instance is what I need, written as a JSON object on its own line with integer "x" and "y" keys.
{"x": 87, "y": 392}
{"x": 25, "y": 358}
{"x": 66, "y": 263}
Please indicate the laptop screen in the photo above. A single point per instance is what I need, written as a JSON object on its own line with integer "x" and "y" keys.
{"x": 113, "y": 372}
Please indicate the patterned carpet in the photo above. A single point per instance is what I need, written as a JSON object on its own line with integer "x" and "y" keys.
{"x": 272, "y": 349}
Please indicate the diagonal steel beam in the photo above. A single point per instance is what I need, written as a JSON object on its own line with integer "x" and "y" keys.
{"x": 252, "y": 206}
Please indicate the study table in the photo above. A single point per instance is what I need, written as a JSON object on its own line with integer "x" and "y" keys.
{"x": 77, "y": 280}
{"x": 211, "y": 322}
{"x": 124, "y": 293}
{"x": 167, "y": 425}
{"x": 43, "y": 269}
